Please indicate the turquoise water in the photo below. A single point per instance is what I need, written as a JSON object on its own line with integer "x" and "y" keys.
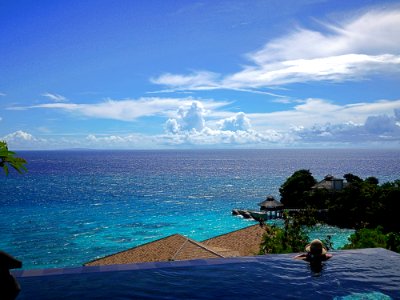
{"x": 74, "y": 206}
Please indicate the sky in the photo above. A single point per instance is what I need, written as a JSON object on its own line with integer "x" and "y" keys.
{"x": 169, "y": 74}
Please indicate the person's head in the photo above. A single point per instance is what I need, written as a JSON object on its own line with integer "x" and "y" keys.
{"x": 316, "y": 249}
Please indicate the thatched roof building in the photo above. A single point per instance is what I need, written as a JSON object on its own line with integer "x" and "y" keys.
{"x": 270, "y": 204}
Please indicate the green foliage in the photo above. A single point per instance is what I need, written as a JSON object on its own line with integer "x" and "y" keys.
{"x": 350, "y": 178}
{"x": 319, "y": 198}
{"x": 374, "y": 238}
{"x": 372, "y": 180}
{"x": 292, "y": 238}
{"x": 364, "y": 203}
{"x": 273, "y": 241}
{"x": 7, "y": 158}
{"x": 294, "y": 191}
{"x": 367, "y": 238}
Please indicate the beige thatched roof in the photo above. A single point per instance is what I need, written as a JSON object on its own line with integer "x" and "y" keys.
{"x": 270, "y": 203}
{"x": 242, "y": 242}
{"x": 174, "y": 247}
{"x": 246, "y": 241}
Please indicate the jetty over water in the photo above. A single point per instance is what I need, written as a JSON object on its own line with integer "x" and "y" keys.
{"x": 265, "y": 216}
{"x": 272, "y": 209}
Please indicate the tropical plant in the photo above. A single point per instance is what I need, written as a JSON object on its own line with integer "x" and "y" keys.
{"x": 374, "y": 238}
{"x": 291, "y": 238}
{"x": 7, "y": 159}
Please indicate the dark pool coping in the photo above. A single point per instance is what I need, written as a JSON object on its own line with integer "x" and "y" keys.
{"x": 173, "y": 264}
{"x": 135, "y": 266}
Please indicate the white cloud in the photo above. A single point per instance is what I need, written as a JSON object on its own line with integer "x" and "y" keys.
{"x": 128, "y": 110}
{"x": 187, "y": 119}
{"x": 348, "y": 50}
{"x": 374, "y": 32}
{"x": 238, "y": 122}
{"x": 23, "y": 140}
{"x": 55, "y": 97}
{"x": 219, "y": 138}
{"x": 205, "y": 124}
{"x": 335, "y": 68}
{"x": 196, "y": 80}
{"x": 2, "y": 94}
{"x": 19, "y": 136}
{"x": 377, "y": 129}
{"x": 190, "y": 127}
{"x": 131, "y": 141}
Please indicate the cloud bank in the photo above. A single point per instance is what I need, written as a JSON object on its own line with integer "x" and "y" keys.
{"x": 312, "y": 122}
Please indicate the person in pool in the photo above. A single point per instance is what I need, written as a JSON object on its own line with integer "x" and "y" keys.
{"x": 315, "y": 252}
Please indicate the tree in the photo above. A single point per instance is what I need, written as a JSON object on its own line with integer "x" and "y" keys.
{"x": 294, "y": 190}
{"x": 372, "y": 180}
{"x": 350, "y": 178}
{"x": 7, "y": 158}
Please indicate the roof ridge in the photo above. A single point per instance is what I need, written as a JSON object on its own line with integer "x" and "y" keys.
{"x": 198, "y": 244}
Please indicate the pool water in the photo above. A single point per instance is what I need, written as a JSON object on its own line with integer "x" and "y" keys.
{"x": 351, "y": 274}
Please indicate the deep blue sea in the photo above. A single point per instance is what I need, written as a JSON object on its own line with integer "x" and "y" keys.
{"x": 74, "y": 206}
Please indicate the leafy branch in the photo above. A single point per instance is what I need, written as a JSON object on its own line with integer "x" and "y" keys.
{"x": 7, "y": 159}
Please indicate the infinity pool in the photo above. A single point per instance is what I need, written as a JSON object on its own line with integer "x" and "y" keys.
{"x": 351, "y": 274}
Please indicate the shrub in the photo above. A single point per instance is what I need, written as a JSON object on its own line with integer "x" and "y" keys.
{"x": 367, "y": 238}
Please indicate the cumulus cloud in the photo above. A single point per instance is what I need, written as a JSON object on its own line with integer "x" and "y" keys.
{"x": 238, "y": 122}
{"x": 19, "y": 136}
{"x": 23, "y": 140}
{"x": 191, "y": 127}
{"x": 187, "y": 119}
{"x": 350, "y": 49}
{"x": 129, "y": 109}
{"x": 54, "y": 97}
{"x": 312, "y": 120}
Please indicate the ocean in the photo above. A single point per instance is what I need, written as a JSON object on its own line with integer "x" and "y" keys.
{"x": 75, "y": 206}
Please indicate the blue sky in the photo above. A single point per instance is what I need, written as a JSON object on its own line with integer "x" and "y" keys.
{"x": 199, "y": 74}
